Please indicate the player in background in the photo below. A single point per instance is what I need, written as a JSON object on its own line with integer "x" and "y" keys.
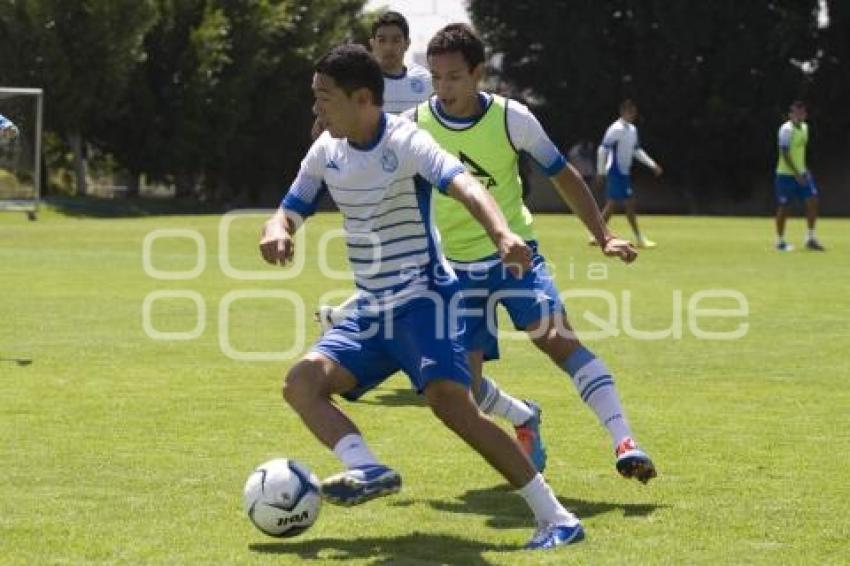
{"x": 8, "y": 130}
{"x": 793, "y": 179}
{"x": 615, "y": 156}
{"x": 405, "y": 86}
{"x": 487, "y": 132}
{"x": 380, "y": 169}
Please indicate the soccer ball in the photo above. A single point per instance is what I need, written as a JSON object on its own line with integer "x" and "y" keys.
{"x": 282, "y": 498}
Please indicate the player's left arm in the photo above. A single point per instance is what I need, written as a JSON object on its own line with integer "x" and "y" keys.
{"x": 528, "y": 135}
{"x": 644, "y": 158}
{"x": 576, "y": 194}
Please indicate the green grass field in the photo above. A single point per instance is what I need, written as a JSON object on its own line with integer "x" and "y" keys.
{"x": 116, "y": 448}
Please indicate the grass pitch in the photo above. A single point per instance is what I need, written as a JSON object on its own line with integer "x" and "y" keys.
{"x": 117, "y": 448}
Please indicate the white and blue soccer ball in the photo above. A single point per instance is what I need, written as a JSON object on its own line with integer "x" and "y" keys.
{"x": 282, "y": 497}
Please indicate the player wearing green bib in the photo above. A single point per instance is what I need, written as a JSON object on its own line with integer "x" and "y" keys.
{"x": 793, "y": 179}
{"x": 487, "y": 133}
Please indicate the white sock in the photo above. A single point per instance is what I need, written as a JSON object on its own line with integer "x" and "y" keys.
{"x": 780, "y": 239}
{"x": 545, "y": 506}
{"x": 353, "y": 452}
{"x": 495, "y": 402}
{"x": 595, "y": 385}
{"x": 811, "y": 235}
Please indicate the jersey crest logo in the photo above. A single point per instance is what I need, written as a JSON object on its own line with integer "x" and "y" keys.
{"x": 477, "y": 171}
{"x": 332, "y": 165}
{"x": 417, "y": 86}
{"x": 389, "y": 161}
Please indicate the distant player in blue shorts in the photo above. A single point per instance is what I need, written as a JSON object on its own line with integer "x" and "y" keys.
{"x": 619, "y": 148}
{"x": 793, "y": 180}
{"x": 379, "y": 170}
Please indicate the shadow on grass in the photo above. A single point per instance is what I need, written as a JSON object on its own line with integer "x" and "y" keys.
{"x": 394, "y": 398}
{"x": 507, "y": 510}
{"x": 414, "y": 548}
{"x": 94, "y": 207}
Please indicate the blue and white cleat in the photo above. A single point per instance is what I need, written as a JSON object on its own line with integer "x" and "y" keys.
{"x": 632, "y": 462}
{"x": 361, "y": 484}
{"x": 556, "y": 534}
{"x": 528, "y": 436}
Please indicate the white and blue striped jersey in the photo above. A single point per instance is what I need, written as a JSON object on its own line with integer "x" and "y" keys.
{"x": 384, "y": 192}
{"x": 619, "y": 148}
{"x": 407, "y": 90}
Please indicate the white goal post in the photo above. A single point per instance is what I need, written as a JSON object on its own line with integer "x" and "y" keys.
{"x": 20, "y": 156}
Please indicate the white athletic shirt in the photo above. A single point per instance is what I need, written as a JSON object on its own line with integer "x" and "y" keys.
{"x": 406, "y": 90}
{"x": 384, "y": 192}
{"x": 619, "y": 148}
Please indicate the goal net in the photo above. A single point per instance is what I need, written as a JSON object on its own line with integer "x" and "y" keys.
{"x": 20, "y": 156}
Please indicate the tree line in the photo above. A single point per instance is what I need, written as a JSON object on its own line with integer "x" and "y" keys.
{"x": 713, "y": 79}
{"x": 213, "y": 96}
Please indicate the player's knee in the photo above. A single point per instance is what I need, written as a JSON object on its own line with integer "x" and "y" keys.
{"x": 301, "y": 382}
{"x": 448, "y": 401}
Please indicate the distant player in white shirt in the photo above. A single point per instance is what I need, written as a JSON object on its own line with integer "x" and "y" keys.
{"x": 619, "y": 148}
{"x": 404, "y": 86}
{"x": 381, "y": 171}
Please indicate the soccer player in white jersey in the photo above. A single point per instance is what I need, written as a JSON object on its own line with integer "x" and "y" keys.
{"x": 487, "y": 132}
{"x": 380, "y": 169}
{"x": 793, "y": 179}
{"x": 405, "y": 86}
{"x": 8, "y": 130}
{"x": 619, "y": 148}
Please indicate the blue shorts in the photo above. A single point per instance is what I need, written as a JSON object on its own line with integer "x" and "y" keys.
{"x": 421, "y": 340}
{"x": 788, "y": 189}
{"x": 619, "y": 186}
{"x": 527, "y": 301}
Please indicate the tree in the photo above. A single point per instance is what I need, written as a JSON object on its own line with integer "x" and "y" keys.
{"x": 712, "y": 79}
{"x": 81, "y": 53}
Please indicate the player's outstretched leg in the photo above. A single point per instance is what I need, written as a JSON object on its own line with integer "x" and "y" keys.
{"x": 308, "y": 388}
{"x": 595, "y": 386}
{"x": 453, "y": 405}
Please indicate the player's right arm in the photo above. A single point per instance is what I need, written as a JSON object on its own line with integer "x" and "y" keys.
{"x": 276, "y": 243}
{"x": 513, "y": 250}
{"x": 445, "y": 172}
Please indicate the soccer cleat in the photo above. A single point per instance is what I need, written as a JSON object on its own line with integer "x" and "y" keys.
{"x": 360, "y": 484}
{"x": 632, "y": 462}
{"x": 646, "y": 243}
{"x": 528, "y": 436}
{"x": 556, "y": 534}
{"x": 814, "y": 245}
{"x": 784, "y": 246}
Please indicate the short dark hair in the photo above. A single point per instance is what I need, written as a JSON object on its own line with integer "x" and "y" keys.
{"x": 627, "y": 104}
{"x": 352, "y": 67}
{"x": 798, "y": 105}
{"x": 458, "y": 38}
{"x": 391, "y": 19}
